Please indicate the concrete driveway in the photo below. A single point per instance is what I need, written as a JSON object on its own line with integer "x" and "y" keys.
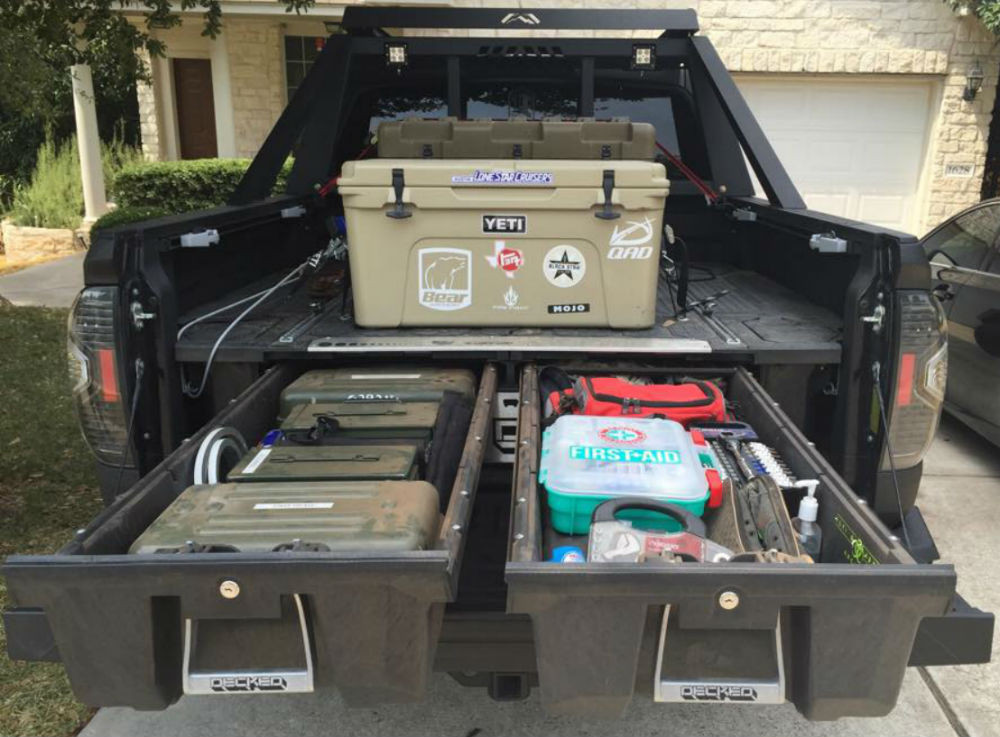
{"x": 960, "y": 498}
{"x": 52, "y": 284}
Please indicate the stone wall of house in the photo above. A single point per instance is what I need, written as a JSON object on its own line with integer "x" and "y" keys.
{"x": 886, "y": 37}
{"x": 790, "y": 37}
{"x": 257, "y": 78}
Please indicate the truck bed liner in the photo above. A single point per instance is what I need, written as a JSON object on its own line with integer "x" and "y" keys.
{"x": 757, "y": 319}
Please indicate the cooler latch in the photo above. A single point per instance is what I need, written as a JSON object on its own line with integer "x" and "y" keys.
{"x": 398, "y": 212}
{"x": 608, "y": 185}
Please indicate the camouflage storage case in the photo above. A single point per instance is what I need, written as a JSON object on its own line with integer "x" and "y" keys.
{"x": 571, "y": 241}
{"x": 339, "y": 516}
{"x": 294, "y": 463}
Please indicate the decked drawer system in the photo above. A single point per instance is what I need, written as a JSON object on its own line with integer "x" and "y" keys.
{"x": 120, "y": 622}
{"x": 833, "y": 637}
{"x": 846, "y": 630}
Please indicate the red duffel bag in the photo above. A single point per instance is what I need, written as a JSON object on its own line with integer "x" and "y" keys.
{"x": 607, "y": 396}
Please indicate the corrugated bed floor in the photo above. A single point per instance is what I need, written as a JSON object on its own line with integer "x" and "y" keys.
{"x": 754, "y": 316}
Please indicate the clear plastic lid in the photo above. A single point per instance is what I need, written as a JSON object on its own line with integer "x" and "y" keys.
{"x": 612, "y": 456}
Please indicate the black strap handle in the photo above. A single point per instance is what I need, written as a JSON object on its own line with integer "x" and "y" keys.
{"x": 610, "y": 509}
{"x": 398, "y": 211}
{"x": 608, "y": 185}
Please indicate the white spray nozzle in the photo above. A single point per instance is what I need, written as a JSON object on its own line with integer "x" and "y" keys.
{"x": 809, "y": 485}
{"x": 809, "y": 506}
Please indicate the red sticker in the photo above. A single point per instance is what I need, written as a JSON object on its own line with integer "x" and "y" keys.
{"x": 510, "y": 259}
{"x": 623, "y": 435}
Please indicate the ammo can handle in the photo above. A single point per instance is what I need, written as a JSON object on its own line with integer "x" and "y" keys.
{"x": 607, "y": 512}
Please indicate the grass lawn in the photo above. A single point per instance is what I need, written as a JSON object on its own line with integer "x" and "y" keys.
{"x": 47, "y": 490}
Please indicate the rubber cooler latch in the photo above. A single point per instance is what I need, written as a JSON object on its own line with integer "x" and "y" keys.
{"x": 398, "y": 212}
{"x": 608, "y": 185}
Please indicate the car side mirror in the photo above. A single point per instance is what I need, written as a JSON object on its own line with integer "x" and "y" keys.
{"x": 961, "y": 276}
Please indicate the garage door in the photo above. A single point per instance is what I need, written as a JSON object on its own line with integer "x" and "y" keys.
{"x": 853, "y": 148}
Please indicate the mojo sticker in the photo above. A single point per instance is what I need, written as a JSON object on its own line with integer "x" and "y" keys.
{"x": 564, "y": 266}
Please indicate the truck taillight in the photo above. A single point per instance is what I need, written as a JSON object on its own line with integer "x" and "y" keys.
{"x": 93, "y": 366}
{"x": 921, "y": 374}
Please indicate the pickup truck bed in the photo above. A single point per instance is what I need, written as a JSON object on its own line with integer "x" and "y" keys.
{"x": 823, "y": 321}
{"x": 756, "y": 319}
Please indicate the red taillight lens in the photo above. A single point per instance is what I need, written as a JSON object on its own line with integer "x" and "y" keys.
{"x": 97, "y": 391}
{"x": 108, "y": 375}
{"x": 922, "y": 369}
{"x": 904, "y": 379}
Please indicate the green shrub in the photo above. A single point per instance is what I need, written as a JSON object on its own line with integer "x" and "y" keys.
{"x": 182, "y": 186}
{"x": 117, "y": 155}
{"x": 124, "y": 215}
{"x": 54, "y": 196}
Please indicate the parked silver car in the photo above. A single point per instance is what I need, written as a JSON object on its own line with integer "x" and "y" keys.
{"x": 965, "y": 264}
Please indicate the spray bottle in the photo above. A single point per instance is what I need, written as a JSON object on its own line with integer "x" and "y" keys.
{"x": 809, "y": 533}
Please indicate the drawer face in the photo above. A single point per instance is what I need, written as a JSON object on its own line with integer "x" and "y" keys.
{"x": 843, "y": 627}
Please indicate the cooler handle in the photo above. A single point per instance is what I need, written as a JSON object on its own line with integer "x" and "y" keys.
{"x": 607, "y": 512}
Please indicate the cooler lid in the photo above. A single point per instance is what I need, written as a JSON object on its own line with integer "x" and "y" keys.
{"x": 448, "y": 138}
{"x": 503, "y": 173}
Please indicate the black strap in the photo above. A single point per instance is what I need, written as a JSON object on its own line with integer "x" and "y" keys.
{"x": 447, "y": 443}
{"x": 398, "y": 211}
{"x": 608, "y": 185}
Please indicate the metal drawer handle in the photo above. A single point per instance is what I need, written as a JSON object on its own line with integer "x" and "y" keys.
{"x": 273, "y": 680}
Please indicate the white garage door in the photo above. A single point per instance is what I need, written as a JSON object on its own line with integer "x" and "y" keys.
{"x": 853, "y": 148}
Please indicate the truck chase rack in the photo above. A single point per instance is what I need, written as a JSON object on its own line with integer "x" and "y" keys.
{"x": 317, "y": 107}
{"x": 671, "y": 23}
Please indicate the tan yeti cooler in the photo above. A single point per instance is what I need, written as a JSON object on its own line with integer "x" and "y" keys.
{"x": 512, "y": 242}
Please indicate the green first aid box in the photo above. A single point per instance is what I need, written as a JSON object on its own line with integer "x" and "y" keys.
{"x": 386, "y": 420}
{"x": 295, "y": 463}
{"x": 587, "y": 460}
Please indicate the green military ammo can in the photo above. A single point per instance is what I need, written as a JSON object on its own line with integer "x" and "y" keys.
{"x": 376, "y": 384}
{"x": 294, "y": 463}
{"x": 363, "y": 516}
{"x": 369, "y": 420}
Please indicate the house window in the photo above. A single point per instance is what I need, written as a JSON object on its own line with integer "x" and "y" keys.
{"x": 300, "y": 53}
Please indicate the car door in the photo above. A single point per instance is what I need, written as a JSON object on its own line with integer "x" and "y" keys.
{"x": 969, "y": 241}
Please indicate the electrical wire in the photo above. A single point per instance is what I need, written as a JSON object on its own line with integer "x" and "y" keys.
{"x": 195, "y": 392}
{"x": 888, "y": 450}
{"x": 140, "y": 368}
{"x": 710, "y": 194}
{"x": 213, "y": 313}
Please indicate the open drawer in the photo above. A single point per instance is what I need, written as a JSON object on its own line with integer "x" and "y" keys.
{"x": 131, "y": 629}
{"x": 833, "y": 637}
